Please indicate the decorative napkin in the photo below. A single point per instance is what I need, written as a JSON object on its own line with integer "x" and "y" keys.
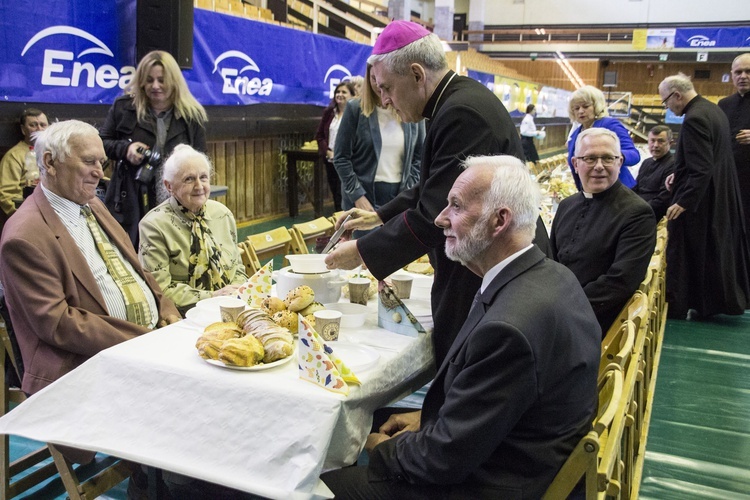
{"x": 393, "y": 315}
{"x": 318, "y": 363}
{"x": 258, "y": 287}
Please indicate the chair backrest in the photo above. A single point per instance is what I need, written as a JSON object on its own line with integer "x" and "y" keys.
{"x": 305, "y": 233}
{"x": 617, "y": 346}
{"x": 33, "y": 461}
{"x": 584, "y": 461}
{"x": 271, "y": 243}
{"x": 110, "y": 473}
{"x": 249, "y": 257}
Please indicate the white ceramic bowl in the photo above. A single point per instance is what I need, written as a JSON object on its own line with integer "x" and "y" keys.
{"x": 353, "y": 315}
{"x": 310, "y": 263}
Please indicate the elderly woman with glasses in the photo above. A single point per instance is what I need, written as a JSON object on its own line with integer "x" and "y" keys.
{"x": 588, "y": 108}
{"x": 188, "y": 242}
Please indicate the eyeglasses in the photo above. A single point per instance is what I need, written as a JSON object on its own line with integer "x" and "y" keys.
{"x": 591, "y": 161}
{"x": 664, "y": 102}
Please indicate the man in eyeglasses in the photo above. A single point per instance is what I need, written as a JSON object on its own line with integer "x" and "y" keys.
{"x": 708, "y": 260}
{"x": 606, "y": 233}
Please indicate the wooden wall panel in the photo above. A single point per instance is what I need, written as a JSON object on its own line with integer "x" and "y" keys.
{"x": 635, "y": 77}
{"x": 252, "y": 171}
{"x": 644, "y": 78}
{"x": 548, "y": 72}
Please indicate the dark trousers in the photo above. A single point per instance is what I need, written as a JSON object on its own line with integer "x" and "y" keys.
{"x": 334, "y": 182}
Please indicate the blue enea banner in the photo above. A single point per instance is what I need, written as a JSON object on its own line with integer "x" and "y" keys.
{"x": 85, "y": 54}
{"x": 55, "y": 52}
{"x": 238, "y": 61}
{"x": 486, "y": 79}
{"x": 706, "y": 38}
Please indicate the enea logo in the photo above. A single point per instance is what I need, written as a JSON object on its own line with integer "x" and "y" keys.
{"x": 237, "y": 84}
{"x": 701, "y": 41}
{"x": 58, "y": 72}
{"x": 335, "y": 80}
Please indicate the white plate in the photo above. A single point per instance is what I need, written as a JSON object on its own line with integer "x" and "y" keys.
{"x": 202, "y": 317}
{"x": 419, "y": 307}
{"x": 357, "y": 357}
{"x": 256, "y": 368}
{"x": 210, "y": 304}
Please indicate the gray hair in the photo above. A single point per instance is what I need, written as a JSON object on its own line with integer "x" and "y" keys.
{"x": 55, "y": 140}
{"x": 513, "y": 188}
{"x": 428, "y": 51}
{"x": 180, "y": 154}
{"x": 677, "y": 83}
{"x": 594, "y": 132}
{"x": 588, "y": 95}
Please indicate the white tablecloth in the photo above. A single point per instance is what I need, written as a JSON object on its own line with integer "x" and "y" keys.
{"x": 153, "y": 400}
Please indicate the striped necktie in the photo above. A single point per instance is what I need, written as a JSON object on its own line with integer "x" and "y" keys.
{"x": 136, "y": 305}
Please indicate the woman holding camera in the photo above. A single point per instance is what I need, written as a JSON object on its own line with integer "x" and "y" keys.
{"x": 157, "y": 113}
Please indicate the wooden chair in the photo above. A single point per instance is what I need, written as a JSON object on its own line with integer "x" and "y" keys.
{"x": 33, "y": 460}
{"x": 270, "y": 244}
{"x": 617, "y": 346}
{"x": 336, "y": 216}
{"x": 630, "y": 436}
{"x": 305, "y": 233}
{"x": 101, "y": 476}
{"x": 116, "y": 471}
{"x": 584, "y": 461}
{"x": 249, "y": 258}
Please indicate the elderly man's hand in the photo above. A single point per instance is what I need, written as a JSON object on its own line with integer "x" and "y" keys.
{"x": 674, "y": 211}
{"x": 375, "y": 439}
{"x": 345, "y": 256}
{"x": 401, "y": 422}
{"x": 361, "y": 219}
{"x": 168, "y": 320}
{"x": 743, "y": 136}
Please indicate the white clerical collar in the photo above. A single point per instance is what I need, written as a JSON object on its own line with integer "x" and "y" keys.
{"x": 495, "y": 270}
{"x": 587, "y": 195}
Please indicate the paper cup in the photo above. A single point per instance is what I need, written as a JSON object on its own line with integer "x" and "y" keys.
{"x": 230, "y": 308}
{"x": 359, "y": 290}
{"x": 402, "y": 286}
{"x": 328, "y": 323}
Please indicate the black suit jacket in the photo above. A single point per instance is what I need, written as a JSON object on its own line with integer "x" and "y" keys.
{"x": 515, "y": 394}
{"x": 463, "y": 119}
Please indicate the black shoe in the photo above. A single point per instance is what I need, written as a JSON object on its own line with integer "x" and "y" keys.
{"x": 693, "y": 315}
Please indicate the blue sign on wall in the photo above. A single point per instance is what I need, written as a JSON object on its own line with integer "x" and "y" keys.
{"x": 84, "y": 53}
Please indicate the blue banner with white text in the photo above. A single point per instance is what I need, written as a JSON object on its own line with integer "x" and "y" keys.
{"x": 57, "y": 52}
{"x": 83, "y": 52}
{"x": 238, "y": 61}
{"x": 707, "y": 38}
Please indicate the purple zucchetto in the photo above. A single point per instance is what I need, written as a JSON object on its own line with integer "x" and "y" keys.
{"x": 398, "y": 34}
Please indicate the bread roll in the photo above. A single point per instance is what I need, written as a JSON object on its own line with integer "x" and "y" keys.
{"x": 246, "y": 351}
{"x": 287, "y": 319}
{"x": 298, "y": 298}
{"x": 272, "y": 305}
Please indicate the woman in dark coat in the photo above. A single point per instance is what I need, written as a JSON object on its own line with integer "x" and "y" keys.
{"x": 157, "y": 113}
{"x": 326, "y": 136}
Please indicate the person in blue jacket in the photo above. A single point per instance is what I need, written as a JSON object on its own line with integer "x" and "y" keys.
{"x": 588, "y": 108}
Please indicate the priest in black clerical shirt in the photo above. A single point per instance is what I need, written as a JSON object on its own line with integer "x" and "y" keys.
{"x": 606, "y": 233}
{"x": 653, "y": 173}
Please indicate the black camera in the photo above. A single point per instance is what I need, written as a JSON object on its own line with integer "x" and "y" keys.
{"x": 151, "y": 160}
{"x": 150, "y": 156}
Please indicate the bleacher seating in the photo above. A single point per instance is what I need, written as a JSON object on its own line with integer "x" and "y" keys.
{"x": 619, "y": 462}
